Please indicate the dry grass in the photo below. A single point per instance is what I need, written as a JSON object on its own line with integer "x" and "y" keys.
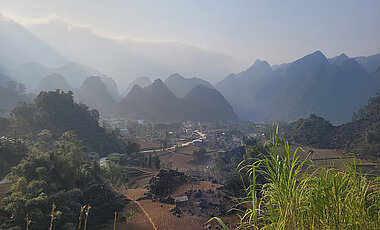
{"x": 332, "y": 158}
{"x": 182, "y": 162}
{"x": 149, "y": 144}
{"x": 138, "y": 222}
{"x": 188, "y": 149}
{"x": 182, "y": 159}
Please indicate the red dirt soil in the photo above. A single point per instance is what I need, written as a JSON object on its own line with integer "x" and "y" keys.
{"x": 161, "y": 217}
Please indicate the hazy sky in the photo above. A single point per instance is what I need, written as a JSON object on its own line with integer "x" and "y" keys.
{"x": 276, "y": 31}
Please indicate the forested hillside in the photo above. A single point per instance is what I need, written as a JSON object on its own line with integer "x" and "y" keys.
{"x": 361, "y": 136}
{"x": 59, "y": 179}
{"x": 58, "y": 113}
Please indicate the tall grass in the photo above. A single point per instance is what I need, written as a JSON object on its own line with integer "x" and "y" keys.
{"x": 285, "y": 196}
{"x": 345, "y": 200}
{"x": 298, "y": 195}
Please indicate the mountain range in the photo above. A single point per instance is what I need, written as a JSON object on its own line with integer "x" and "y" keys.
{"x": 158, "y": 104}
{"x": 140, "y": 81}
{"x": 331, "y": 88}
{"x": 155, "y": 102}
{"x": 18, "y": 46}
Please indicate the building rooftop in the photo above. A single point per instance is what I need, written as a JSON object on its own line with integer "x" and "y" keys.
{"x": 181, "y": 199}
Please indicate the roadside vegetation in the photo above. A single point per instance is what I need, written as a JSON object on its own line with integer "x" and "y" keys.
{"x": 297, "y": 195}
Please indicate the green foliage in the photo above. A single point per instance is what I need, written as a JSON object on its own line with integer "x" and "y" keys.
{"x": 344, "y": 200}
{"x": 312, "y": 131}
{"x": 11, "y": 152}
{"x": 361, "y": 136}
{"x": 63, "y": 176}
{"x": 156, "y": 161}
{"x": 293, "y": 198}
{"x": 286, "y": 192}
{"x": 230, "y": 168}
{"x": 149, "y": 163}
{"x": 369, "y": 110}
{"x": 57, "y": 112}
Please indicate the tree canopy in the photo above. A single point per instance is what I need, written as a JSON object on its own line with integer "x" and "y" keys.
{"x": 57, "y": 112}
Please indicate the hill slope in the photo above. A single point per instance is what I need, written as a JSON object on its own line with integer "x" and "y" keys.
{"x": 140, "y": 81}
{"x": 360, "y": 136}
{"x": 94, "y": 94}
{"x": 309, "y": 85}
{"x": 53, "y": 82}
{"x": 180, "y": 86}
{"x": 21, "y": 46}
{"x": 211, "y": 102}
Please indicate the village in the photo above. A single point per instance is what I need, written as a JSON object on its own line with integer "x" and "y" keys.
{"x": 182, "y": 188}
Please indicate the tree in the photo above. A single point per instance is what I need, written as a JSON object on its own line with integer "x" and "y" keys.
{"x": 57, "y": 112}
{"x": 156, "y": 161}
{"x": 4, "y": 125}
{"x": 200, "y": 154}
{"x": 63, "y": 176}
{"x": 44, "y": 140}
{"x": 144, "y": 161}
{"x": 165, "y": 143}
{"x": 11, "y": 152}
{"x": 149, "y": 161}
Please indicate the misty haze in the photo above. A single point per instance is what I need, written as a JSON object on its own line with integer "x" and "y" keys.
{"x": 149, "y": 115}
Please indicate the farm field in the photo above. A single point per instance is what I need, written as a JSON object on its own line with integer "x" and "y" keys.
{"x": 149, "y": 144}
{"x": 332, "y": 158}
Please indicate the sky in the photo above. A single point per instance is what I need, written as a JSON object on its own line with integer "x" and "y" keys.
{"x": 206, "y": 38}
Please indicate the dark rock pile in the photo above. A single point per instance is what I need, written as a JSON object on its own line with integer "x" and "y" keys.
{"x": 166, "y": 181}
{"x": 176, "y": 211}
{"x": 206, "y": 201}
{"x": 167, "y": 200}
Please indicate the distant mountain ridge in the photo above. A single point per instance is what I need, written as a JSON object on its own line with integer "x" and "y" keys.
{"x": 33, "y": 73}
{"x": 21, "y": 46}
{"x": 181, "y": 86}
{"x": 332, "y": 88}
{"x": 95, "y": 94}
{"x": 53, "y": 82}
{"x": 157, "y": 103}
{"x": 370, "y": 63}
{"x": 141, "y": 81}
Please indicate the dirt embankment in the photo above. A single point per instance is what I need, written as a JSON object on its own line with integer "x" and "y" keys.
{"x": 151, "y": 209}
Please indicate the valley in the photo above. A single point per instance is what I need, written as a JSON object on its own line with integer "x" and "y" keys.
{"x": 182, "y": 115}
